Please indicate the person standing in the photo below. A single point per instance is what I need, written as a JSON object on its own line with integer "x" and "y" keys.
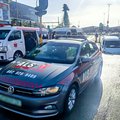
{"x": 96, "y": 37}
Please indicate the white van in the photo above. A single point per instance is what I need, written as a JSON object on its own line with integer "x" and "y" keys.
{"x": 72, "y": 32}
{"x": 110, "y": 44}
{"x": 62, "y": 31}
{"x": 17, "y": 41}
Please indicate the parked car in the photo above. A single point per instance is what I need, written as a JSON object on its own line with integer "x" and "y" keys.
{"x": 110, "y": 44}
{"x": 17, "y": 41}
{"x": 49, "y": 79}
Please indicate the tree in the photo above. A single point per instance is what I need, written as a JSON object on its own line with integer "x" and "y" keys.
{"x": 101, "y": 27}
{"x": 66, "y": 21}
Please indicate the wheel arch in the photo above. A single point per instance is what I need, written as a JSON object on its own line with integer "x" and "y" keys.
{"x": 18, "y": 51}
{"x": 77, "y": 85}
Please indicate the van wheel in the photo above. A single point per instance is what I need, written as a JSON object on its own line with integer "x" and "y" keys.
{"x": 70, "y": 100}
{"x": 17, "y": 55}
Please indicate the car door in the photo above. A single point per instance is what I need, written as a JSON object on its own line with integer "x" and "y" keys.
{"x": 96, "y": 56}
{"x": 85, "y": 67}
{"x": 15, "y": 42}
{"x": 31, "y": 40}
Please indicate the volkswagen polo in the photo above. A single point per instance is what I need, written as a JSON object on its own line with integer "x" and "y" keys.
{"x": 50, "y": 78}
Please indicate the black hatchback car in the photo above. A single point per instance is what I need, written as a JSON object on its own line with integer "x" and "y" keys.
{"x": 49, "y": 79}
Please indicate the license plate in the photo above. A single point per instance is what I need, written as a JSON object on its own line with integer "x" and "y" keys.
{"x": 9, "y": 100}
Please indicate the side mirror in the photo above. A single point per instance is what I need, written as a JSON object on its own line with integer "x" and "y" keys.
{"x": 85, "y": 60}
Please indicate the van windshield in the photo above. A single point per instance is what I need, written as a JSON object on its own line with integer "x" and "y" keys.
{"x": 3, "y": 34}
{"x": 112, "y": 44}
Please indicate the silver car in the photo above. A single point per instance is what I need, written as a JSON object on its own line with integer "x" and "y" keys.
{"x": 110, "y": 44}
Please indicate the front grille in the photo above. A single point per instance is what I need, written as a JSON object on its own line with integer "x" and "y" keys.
{"x": 17, "y": 90}
{"x": 3, "y": 87}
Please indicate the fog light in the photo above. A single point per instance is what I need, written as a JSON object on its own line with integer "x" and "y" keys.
{"x": 49, "y": 107}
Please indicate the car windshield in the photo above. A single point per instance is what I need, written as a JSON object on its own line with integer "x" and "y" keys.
{"x": 55, "y": 53}
{"x": 3, "y": 34}
{"x": 112, "y": 44}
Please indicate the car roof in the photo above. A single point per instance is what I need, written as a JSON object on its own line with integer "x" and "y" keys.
{"x": 71, "y": 41}
{"x": 21, "y": 28}
{"x": 71, "y": 38}
{"x": 108, "y": 38}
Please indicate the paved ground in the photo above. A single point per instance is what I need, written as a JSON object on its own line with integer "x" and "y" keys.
{"x": 109, "y": 108}
{"x": 100, "y": 101}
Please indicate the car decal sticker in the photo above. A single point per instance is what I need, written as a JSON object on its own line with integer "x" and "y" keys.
{"x": 19, "y": 73}
{"x": 40, "y": 68}
{"x": 15, "y": 44}
{"x": 25, "y": 65}
{"x": 19, "y": 82}
{"x": 32, "y": 66}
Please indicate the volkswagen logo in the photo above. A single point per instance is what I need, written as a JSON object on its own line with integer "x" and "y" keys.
{"x": 11, "y": 89}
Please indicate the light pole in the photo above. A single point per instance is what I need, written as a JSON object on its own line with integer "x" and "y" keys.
{"x": 108, "y": 19}
{"x": 37, "y": 16}
{"x": 17, "y": 12}
{"x": 40, "y": 25}
{"x": 104, "y": 19}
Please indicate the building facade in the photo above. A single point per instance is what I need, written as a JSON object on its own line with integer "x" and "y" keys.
{"x": 17, "y": 14}
{"x": 21, "y": 14}
{"x": 4, "y": 12}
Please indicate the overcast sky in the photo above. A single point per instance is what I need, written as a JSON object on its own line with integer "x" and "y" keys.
{"x": 82, "y": 12}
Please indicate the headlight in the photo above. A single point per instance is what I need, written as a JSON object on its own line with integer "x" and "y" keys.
{"x": 3, "y": 49}
{"x": 47, "y": 91}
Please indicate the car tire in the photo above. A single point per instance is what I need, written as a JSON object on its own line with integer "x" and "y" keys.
{"x": 17, "y": 54}
{"x": 70, "y": 100}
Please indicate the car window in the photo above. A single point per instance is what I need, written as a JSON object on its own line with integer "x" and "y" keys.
{"x": 88, "y": 49}
{"x": 15, "y": 35}
{"x": 93, "y": 48}
{"x": 85, "y": 50}
{"x": 3, "y": 34}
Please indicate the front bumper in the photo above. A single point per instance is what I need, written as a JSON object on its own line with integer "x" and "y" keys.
{"x": 3, "y": 56}
{"x": 36, "y": 107}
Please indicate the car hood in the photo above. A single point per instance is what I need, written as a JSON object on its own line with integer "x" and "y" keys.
{"x": 34, "y": 74}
